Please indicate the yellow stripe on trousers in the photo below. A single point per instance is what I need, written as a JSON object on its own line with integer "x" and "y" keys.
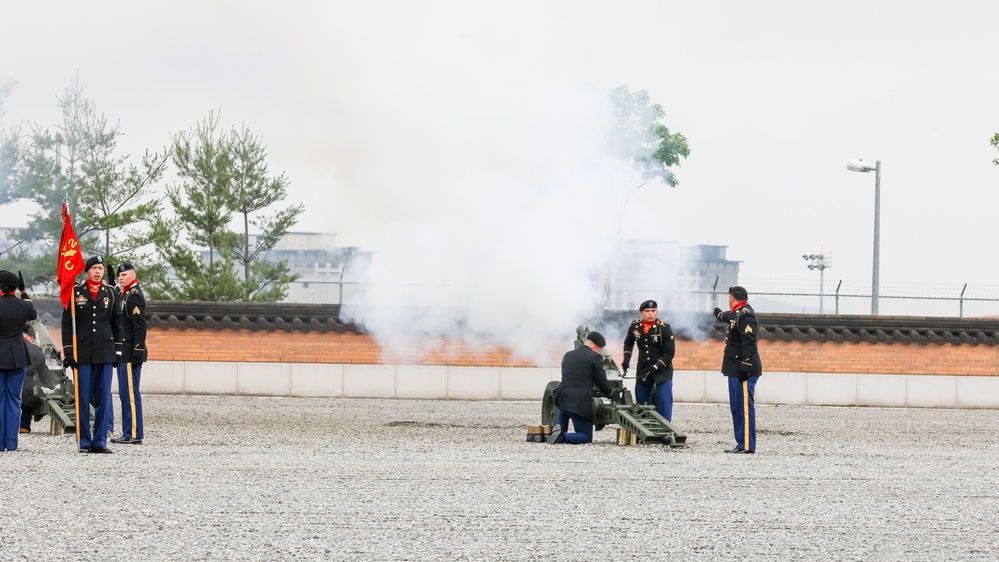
{"x": 131, "y": 401}
{"x": 745, "y": 411}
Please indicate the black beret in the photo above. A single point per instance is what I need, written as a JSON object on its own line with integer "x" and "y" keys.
{"x": 648, "y": 304}
{"x": 8, "y": 278}
{"x": 126, "y": 267}
{"x": 739, "y": 293}
{"x": 597, "y": 338}
{"x": 92, "y": 262}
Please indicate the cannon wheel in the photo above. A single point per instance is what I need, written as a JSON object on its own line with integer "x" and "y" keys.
{"x": 548, "y": 409}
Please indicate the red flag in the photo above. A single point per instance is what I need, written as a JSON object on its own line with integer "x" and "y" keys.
{"x": 70, "y": 259}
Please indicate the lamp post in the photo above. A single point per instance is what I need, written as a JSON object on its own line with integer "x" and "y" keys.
{"x": 861, "y": 166}
{"x": 820, "y": 262}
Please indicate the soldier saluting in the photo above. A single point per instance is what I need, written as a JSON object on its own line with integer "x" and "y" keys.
{"x": 656, "y": 348}
{"x": 98, "y": 347}
{"x": 743, "y": 367}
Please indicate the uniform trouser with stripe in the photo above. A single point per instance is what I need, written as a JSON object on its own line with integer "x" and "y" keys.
{"x": 110, "y": 401}
{"x": 131, "y": 400}
{"x": 742, "y": 399}
{"x": 664, "y": 397}
{"x": 11, "y": 381}
{"x": 94, "y": 382}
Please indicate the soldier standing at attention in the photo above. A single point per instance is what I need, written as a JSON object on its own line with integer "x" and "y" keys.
{"x": 98, "y": 349}
{"x": 743, "y": 367}
{"x": 133, "y": 324}
{"x": 656, "y": 349}
{"x": 14, "y": 314}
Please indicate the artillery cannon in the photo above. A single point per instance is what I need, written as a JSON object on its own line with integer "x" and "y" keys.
{"x": 642, "y": 420}
{"x": 56, "y": 400}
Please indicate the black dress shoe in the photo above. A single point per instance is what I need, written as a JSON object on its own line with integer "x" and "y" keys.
{"x": 101, "y": 450}
{"x": 734, "y": 450}
{"x": 557, "y": 436}
{"x": 745, "y": 452}
{"x": 84, "y": 449}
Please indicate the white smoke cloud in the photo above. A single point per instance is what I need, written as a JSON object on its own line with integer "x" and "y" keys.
{"x": 463, "y": 145}
{"x": 477, "y": 172}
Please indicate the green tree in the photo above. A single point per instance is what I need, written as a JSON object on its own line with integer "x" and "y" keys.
{"x": 203, "y": 162}
{"x": 641, "y": 138}
{"x": 219, "y": 175}
{"x": 253, "y": 191}
{"x": 995, "y": 143}
{"x": 12, "y": 250}
{"x": 112, "y": 199}
{"x": 8, "y": 144}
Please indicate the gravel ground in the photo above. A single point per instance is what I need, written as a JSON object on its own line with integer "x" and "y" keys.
{"x": 244, "y": 478}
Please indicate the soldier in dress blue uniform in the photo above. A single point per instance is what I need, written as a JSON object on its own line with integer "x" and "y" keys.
{"x": 14, "y": 314}
{"x": 98, "y": 350}
{"x": 656, "y": 348}
{"x": 582, "y": 368}
{"x": 743, "y": 367}
{"x": 133, "y": 324}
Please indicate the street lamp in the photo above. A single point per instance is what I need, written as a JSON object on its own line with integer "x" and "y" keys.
{"x": 861, "y": 166}
{"x": 820, "y": 262}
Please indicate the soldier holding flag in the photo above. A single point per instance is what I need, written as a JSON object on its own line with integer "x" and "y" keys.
{"x": 91, "y": 337}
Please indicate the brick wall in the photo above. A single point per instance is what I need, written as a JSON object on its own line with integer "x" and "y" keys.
{"x": 314, "y": 347}
{"x": 351, "y": 348}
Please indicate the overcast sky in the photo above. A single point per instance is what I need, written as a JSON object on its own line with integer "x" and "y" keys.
{"x": 383, "y": 112}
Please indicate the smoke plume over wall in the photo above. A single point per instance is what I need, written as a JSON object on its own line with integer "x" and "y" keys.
{"x": 475, "y": 167}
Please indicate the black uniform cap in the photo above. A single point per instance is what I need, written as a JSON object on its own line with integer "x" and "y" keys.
{"x": 126, "y": 267}
{"x": 597, "y": 338}
{"x": 8, "y": 279}
{"x": 739, "y": 293}
{"x": 92, "y": 262}
{"x": 648, "y": 304}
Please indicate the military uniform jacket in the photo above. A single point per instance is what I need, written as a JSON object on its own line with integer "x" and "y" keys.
{"x": 133, "y": 325}
{"x": 98, "y": 325}
{"x": 654, "y": 348}
{"x": 582, "y": 368}
{"x": 740, "y": 345}
{"x": 14, "y": 314}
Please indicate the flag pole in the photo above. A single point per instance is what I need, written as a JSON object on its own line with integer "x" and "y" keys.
{"x": 76, "y": 364}
{"x": 75, "y": 367}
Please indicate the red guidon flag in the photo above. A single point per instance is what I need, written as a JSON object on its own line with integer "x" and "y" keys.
{"x": 70, "y": 259}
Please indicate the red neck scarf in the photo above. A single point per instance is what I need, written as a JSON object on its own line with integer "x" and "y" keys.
{"x": 739, "y": 305}
{"x": 5, "y": 293}
{"x": 646, "y": 326}
{"x": 94, "y": 287}
{"x": 128, "y": 287}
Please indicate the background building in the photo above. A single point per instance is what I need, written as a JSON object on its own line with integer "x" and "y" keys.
{"x": 326, "y": 270}
{"x": 680, "y": 278}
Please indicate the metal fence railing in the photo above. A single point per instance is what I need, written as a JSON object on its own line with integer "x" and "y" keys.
{"x": 773, "y": 296}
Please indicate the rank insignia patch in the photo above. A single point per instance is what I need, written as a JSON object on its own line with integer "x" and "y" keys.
{"x": 749, "y": 329}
